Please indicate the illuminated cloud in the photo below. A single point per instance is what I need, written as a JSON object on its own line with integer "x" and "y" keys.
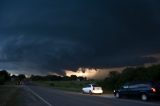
{"x": 93, "y": 73}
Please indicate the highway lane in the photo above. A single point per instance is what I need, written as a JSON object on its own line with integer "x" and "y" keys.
{"x": 43, "y": 96}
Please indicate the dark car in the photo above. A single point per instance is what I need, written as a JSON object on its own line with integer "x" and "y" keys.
{"x": 143, "y": 90}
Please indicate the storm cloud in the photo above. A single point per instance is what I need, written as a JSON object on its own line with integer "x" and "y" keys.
{"x": 57, "y": 35}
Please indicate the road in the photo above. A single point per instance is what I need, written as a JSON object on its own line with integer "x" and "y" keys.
{"x": 43, "y": 96}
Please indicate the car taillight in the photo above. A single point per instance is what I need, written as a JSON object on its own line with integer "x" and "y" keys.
{"x": 153, "y": 90}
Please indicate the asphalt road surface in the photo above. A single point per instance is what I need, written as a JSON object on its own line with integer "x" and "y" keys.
{"x": 43, "y": 96}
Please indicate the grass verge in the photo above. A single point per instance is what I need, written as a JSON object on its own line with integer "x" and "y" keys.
{"x": 74, "y": 86}
{"x": 9, "y": 95}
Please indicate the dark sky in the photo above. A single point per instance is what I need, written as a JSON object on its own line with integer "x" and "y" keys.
{"x": 54, "y": 35}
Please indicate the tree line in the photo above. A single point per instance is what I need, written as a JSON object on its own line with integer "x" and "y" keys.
{"x": 6, "y": 77}
{"x": 56, "y": 78}
{"x": 115, "y": 79}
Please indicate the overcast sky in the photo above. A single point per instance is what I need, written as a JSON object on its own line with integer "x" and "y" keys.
{"x": 57, "y": 35}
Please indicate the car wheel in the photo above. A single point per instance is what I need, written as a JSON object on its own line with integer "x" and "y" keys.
{"x": 144, "y": 97}
{"x": 90, "y": 92}
{"x": 117, "y": 95}
{"x": 83, "y": 92}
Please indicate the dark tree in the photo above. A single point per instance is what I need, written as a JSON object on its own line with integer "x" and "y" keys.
{"x": 4, "y": 76}
{"x": 21, "y": 77}
{"x": 73, "y": 77}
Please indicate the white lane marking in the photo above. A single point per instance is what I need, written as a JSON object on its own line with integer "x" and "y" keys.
{"x": 39, "y": 97}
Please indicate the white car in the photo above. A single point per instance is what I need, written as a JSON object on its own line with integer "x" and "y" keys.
{"x": 92, "y": 89}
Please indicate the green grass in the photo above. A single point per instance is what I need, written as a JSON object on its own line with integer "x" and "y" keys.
{"x": 9, "y": 95}
{"x": 65, "y": 85}
{"x": 74, "y": 86}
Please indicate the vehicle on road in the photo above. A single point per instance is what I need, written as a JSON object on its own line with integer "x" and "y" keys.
{"x": 92, "y": 89}
{"x": 143, "y": 90}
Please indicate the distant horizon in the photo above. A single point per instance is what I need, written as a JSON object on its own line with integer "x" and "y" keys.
{"x": 89, "y": 73}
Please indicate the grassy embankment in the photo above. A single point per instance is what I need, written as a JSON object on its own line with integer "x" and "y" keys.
{"x": 9, "y": 95}
{"x": 74, "y": 86}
